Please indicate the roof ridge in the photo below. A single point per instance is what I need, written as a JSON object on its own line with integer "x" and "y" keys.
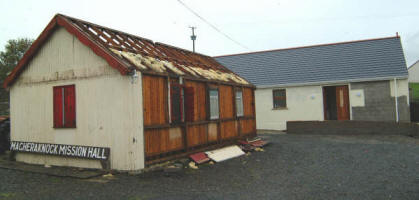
{"x": 413, "y": 64}
{"x": 104, "y": 27}
{"x": 122, "y": 32}
{"x": 178, "y": 48}
{"x": 308, "y": 46}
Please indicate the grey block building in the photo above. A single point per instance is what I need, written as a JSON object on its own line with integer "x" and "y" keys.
{"x": 364, "y": 80}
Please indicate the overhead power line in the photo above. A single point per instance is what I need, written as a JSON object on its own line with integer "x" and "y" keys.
{"x": 212, "y": 26}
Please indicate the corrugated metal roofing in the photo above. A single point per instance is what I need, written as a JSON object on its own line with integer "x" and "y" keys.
{"x": 358, "y": 60}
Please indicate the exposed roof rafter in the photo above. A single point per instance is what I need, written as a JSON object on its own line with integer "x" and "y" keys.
{"x": 123, "y": 51}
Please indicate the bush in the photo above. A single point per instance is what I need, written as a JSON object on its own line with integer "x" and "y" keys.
{"x": 414, "y": 91}
{"x": 4, "y": 135}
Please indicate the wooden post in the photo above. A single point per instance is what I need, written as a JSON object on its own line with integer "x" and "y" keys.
{"x": 254, "y": 109}
{"x": 167, "y": 100}
{"x": 219, "y": 114}
{"x": 185, "y": 136}
{"x": 234, "y": 102}
{"x": 106, "y": 164}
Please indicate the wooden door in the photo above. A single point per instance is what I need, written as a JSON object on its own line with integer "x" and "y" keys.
{"x": 325, "y": 108}
{"x": 342, "y": 102}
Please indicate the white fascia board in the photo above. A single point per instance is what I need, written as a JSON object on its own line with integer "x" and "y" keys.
{"x": 331, "y": 82}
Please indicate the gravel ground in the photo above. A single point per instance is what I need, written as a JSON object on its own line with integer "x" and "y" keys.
{"x": 292, "y": 167}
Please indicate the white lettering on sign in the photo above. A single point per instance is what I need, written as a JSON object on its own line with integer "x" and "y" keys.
{"x": 97, "y": 153}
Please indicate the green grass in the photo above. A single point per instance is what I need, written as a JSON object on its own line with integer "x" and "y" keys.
{"x": 6, "y": 195}
{"x": 415, "y": 91}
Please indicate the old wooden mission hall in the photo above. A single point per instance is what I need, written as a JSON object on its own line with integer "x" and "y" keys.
{"x": 132, "y": 100}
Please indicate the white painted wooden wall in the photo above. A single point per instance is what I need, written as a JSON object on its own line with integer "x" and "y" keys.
{"x": 108, "y": 106}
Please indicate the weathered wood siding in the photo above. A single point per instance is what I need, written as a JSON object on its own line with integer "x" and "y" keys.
{"x": 247, "y": 126}
{"x": 226, "y": 101}
{"x": 155, "y": 100}
{"x": 248, "y": 102}
{"x": 108, "y": 106}
{"x": 200, "y": 98}
{"x": 197, "y": 135}
{"x": 162, "y": 138}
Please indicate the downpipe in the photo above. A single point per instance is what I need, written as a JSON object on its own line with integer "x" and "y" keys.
{"x": 396, "y": 100}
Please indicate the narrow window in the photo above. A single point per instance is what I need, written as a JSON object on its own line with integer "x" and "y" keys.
{"x": 176, "y": 104}
{"x": 213, "y": 98}
{"x": 279, "y": 98}
{"x": 239, "y": 103}
{"x": 189, "y": 104}
{"x": 181, "y": 103}
{"x": 64, "y": 106}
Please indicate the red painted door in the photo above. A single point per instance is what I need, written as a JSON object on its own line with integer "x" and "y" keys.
{"x": 342, "y": 102}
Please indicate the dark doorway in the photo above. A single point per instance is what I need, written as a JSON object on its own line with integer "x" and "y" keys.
{"x": 336, "y": 102}
{"x": 329, "y": 101}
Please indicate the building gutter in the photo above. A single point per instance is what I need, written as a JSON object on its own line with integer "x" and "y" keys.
{"x": 330, "y": 82}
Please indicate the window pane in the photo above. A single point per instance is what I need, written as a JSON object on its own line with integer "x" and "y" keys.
{"x": 213, "y": 104}
{"x": 175, "y": 95}
{"x": 214, "y": 93}
{"x": 279, "y": 98}
{"x": 239, "y": 103}
{"x": 279, "y": 93}
{"x": 282, "y": 103}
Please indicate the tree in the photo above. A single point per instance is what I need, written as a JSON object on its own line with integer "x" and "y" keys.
{"x": 14, "y": 51}
{"x": 9, "y": 58}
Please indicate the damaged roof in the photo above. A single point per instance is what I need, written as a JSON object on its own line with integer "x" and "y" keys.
{"x": 363, "y": 60}
{"x": 126, "y": 52}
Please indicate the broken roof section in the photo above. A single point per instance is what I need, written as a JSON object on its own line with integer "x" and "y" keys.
{"x": 125, "y": 51}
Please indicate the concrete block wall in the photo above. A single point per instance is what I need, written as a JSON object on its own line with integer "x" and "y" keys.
{"x": 352, "y": 128}
{"x": 379, "y": 103}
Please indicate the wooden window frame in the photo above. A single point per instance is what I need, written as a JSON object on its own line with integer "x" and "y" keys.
{"x": 279, "y": 98}
{"x": 242, "y": 103}
{"x": 64, "y": 106}
{"x": 186, "y": 103}
{"x": 209, "y": 103}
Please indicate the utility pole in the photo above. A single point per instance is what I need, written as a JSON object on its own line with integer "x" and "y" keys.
{"x": 193, "y": 37}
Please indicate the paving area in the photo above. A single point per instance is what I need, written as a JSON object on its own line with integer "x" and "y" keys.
{"x": 292, "y": 167}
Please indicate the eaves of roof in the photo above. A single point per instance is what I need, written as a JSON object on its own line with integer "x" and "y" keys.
{"x": 322, "y": 83}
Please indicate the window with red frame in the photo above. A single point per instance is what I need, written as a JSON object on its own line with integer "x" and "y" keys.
{"x": 64, "y": 106}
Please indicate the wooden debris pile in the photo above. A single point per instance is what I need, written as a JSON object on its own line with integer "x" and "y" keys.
{"x": 226, "y": 153}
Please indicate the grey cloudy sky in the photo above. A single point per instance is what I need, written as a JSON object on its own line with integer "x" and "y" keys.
{"x": 257, "y": 25}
